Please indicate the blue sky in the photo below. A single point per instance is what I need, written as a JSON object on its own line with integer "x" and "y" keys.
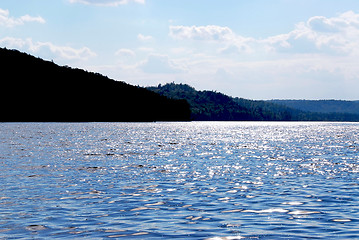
{"x": 257, "y": 49}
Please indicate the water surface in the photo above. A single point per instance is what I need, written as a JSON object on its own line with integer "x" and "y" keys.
{"x": 196, "y": 180}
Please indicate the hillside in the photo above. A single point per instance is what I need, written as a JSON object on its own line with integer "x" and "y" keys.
{"x": 214, "y": 106}
{"x": 38, "y": 90}
{"x": 322, "y": 106}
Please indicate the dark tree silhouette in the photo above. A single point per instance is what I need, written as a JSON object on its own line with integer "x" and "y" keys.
{"x": 36, "y": 90}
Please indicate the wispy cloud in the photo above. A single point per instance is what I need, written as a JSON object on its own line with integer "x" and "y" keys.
{"x": 7, "y": 21}
{"x": 160, "y": 64}
{"x": 124, "y": 52}
{"x": 144, "y": 38}
{"x": 48, "y": 49}
{"x": 111, "y": 3}
{"x": 209, "y": 32}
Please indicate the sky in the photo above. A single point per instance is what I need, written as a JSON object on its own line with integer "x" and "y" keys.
{"x": 255, "y": 49}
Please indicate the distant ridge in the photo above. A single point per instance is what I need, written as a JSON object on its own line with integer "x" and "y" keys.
{"x": 37, "y": 90}
{"x": 321, "y": 106}
{"x": 215, "y": 106}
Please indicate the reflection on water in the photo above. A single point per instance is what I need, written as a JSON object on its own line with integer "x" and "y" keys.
{"x": 200, "y": 180}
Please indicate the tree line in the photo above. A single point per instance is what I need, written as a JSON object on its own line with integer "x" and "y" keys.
{"x": 215, "y": 106}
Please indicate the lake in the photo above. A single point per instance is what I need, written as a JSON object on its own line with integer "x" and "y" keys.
{"x": 191, "y": 180}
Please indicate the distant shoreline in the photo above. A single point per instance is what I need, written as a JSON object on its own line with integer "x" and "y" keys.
{"x": 215, "y": 106}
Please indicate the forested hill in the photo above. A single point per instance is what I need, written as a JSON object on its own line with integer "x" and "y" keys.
{"x": 322, "y": 106}
{"x": 215, "y": 106}
{"x": 38, "y": 90}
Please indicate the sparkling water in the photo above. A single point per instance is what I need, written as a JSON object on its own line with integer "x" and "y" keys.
{"x": 194, "y": 180}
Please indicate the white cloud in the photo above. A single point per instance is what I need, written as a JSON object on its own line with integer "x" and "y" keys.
{"x": 322, "y": 24}
{"x": 209, "y": 32}
{"x": 83, "y": 53}
{"x": 48, "y": 49}
{"x": 334, "y": 24}
{"x": 160, "y": 64}
{"x": 106, "y": 2}
{"x": 7, "y": 21}
{"x": 337, "y": 35}
{"x": 227, "y": 41}
{"x": 144, "y": 38}
{"x": 319, "y": 35}
{"x": 124, "y": 52}
{"x": 237, "y": 47}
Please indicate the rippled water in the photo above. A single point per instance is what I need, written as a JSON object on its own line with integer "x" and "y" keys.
{"x": 196, "y": 180}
